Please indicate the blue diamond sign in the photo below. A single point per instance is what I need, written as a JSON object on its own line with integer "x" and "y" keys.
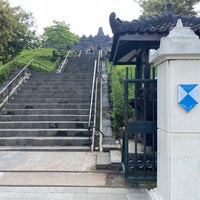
{"x": 188, "y": 96}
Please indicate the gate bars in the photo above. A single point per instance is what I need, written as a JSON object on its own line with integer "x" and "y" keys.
{"x": 139, "y": 146}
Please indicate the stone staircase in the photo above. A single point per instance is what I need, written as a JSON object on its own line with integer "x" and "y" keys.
{"x": 50, "y": 111}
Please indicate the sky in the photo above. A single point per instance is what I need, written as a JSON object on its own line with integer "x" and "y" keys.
{"x": 83, "y": 16}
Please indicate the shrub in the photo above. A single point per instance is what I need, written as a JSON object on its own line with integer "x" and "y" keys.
{"x": 117, "y": 75}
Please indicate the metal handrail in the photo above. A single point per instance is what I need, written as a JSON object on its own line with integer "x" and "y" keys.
{"x": 98, "y": 130}
{"x": 60, "y": 68}
{"x": 96, "y": 64}
{"x": 80, "y": 52}
{"x": 15, "y": 78}
{"x": 8, "y": 90}
{"x": 92, "y": 95}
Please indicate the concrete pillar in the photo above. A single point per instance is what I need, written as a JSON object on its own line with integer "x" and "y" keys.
{"x": 178, "y": 73}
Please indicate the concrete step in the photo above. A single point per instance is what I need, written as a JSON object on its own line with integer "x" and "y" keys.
{"x": 68, "y": 91}
{"x": 69, "y": 77}
{"x": 61, "y": 84}
{"x": 109, "y": 160}
{"x": 45, "y": 87}
{"x": 46, "y": 148}
{"x": 116, "y": 159}
{"x": 53, "y": 87}
{"x": 69, "y": 70}
{"x": 59, "y": 75}
{"x": 44, "y": 141}
{"x": 49, "y": 100}
{"x": 84, "y": 83}
{"x": 81, "y": 65}
{"x": 51, "y": 95}
{"x": 44, "y": 117}
{"x": 103, "y": 160}
{"x": 62, "y": 81}
{"x": 45, "y": 111}
{"x": 54, "y": 132}
{"x": 47, "y": 106}
{"x": 62, "y": 76}
{"x": 44, "y": 125}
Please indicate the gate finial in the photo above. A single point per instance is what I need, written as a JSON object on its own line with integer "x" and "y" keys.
{"x": 169, "y": 7}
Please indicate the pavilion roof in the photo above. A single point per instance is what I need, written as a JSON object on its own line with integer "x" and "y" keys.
{"x": 131, "y": 37}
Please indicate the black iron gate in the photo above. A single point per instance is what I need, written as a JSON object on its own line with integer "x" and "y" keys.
{"x": 140, "y": 138}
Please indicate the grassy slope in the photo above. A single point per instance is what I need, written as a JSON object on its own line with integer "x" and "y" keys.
{"x": 42, "y": 55}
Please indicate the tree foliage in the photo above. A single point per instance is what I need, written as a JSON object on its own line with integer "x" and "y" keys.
{"x": 153, "y": 7}
{"x": 59, "y": 36}
{"x": 16, "y": 33}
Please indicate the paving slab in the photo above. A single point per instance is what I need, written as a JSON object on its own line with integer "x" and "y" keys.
{"x": 52, "y": 179}
{"x": 47, "y": 161}
{"x": 71, "y": 193}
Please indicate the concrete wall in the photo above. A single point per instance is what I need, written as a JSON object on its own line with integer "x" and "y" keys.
{"x": 177, "y": 62}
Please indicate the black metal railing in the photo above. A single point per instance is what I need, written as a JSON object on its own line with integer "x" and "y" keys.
{"x": 139, "y": 148}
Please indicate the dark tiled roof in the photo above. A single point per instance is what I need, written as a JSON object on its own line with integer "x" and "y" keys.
{"x": 144, "y": 33}
{"x": 159, "y": 24}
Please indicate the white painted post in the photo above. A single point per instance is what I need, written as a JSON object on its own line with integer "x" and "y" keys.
{"x": 178, "y": 74}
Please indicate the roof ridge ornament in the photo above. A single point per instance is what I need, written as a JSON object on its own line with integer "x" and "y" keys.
{"x": 181, "y": 41}
{"x": 179, "y": 23}
{"x": 179, "y": 31}
{"x": 169, "y": 7}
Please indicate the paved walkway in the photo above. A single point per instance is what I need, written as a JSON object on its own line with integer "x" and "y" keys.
{"x": 61, "y": 176}
{"x": 70, "y": 193}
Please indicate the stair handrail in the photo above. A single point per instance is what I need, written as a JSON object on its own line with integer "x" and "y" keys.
{"x": 92, "y": 94}
{"x": 18, "y": 79}
{"x": 8, "y": 90}
{"x": 80, "y": 52}
{"x": 96, "y": 65}
{"x": 61, "y": 67}
{"x": 98, "y": 130}
{"x": 15, "y": 78}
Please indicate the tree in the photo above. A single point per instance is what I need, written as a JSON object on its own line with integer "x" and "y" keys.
{"x": 59, "y": 36}
{"x": 152, "y": 7}
{"x": 6, "y": 24}
{"x": 15, "y": 29}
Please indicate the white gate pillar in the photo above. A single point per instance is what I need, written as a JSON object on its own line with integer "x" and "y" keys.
{"x": 178, "y": 75}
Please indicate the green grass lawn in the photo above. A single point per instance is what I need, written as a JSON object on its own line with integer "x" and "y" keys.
{"x": 42, "y": 55}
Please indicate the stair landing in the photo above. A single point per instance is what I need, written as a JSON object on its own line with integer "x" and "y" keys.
{"x": 29, "y": 168}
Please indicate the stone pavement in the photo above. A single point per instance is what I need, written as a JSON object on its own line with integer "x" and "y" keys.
{"x": 71, "y": 193}
{"x": 27, "y": 175}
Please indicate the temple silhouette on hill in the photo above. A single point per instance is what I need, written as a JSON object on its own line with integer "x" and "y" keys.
{"x": 94, "y": 43}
